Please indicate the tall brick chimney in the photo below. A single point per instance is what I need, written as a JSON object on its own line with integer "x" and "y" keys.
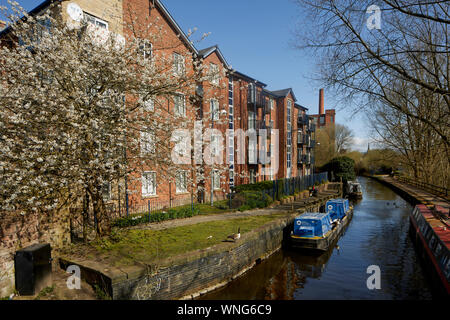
{"x": 321, "y": 102}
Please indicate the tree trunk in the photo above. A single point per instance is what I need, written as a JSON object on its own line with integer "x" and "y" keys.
{"x": 102, "y": 226}
{"x": 85, "y": 216}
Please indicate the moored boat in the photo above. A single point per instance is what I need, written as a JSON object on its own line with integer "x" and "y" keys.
{"x": 318, "y": 231}
{"x": 431, "y": 235}
{"x": 354, "y": 190}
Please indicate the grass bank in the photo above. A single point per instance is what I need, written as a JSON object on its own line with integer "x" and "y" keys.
{"x": 127, "y": 246}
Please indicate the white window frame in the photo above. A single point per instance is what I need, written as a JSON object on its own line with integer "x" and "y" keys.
{"x": 177, "y": 111}
{"x": 106, "y": 195}
{"x": 179, "y": 65}
{"x": 214, "y": 107}
{"x": 148, "y": 104}
{"x": 216, "y": 179}
{"x": 214, "y": 71}
{"x": 215, "y": 150}
{"x": 181, "y": 174}
{"x": 252, "y": 176}
{"x": 145, "y": 52}
{"x": 146, "y": 183}
{"x": 89, "y": 18}
{"x": 147, "y": 142}
{"x": 251, "y": 120}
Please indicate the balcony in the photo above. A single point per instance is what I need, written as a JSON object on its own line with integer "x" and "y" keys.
{"x": 266, "y": 109}
{"x": 300, "y": 137}
{"x": 258, "y": 98}
{"x": 311, "y": 127}
{"x": 303, "y": 120}
{"x": 308, "y": 158}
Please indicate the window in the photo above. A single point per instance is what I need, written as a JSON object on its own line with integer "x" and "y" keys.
{"x": 231, "y": 178}
{"x": 95, "y": 21}
{"x": 252, "y": 152}
{"x": 214, "y": 72}
{"x": 216, "y": 180}
{"x": 106, "y": 191}
{"x": 181, "y": 181}
{"x": 147, "y": 142}
{"x": 252, "y": 176}
{"x": 271, "y": 102}
{"x": 214, "y": 109}
{"x": 251, "y": 120}
{"x": 145, "y": 49}
{"x": 148, "y": 104}
{"x": 149, "y": 184}
{"x": 215, "y": 146}
{"x": 322, "y": 119}
{"x": 178, "y": 64}
{"x": 180, "y": 106}
{"x": 289, "y": 137}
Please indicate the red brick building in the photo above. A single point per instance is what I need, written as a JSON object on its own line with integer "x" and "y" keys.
{"x": 231, "y": 101}
{"x": 325, "y": 117}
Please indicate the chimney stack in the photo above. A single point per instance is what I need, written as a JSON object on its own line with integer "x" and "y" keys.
{"x": 321, "y": 102}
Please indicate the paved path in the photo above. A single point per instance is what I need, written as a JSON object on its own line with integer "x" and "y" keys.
{"x": 297, "y": 205}
{"x": 423, "y": 196}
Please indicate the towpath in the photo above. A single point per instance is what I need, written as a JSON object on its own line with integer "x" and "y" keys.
{"x": 274, "y": 209}
{"x": 421, "y": 195}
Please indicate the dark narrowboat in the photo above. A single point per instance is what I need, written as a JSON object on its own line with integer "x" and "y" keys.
{"x": 431, "y": 235}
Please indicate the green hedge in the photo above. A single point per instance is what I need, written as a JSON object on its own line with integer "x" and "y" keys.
{"x": 259, "y": 186}
{"x": 160, "y": 216}
{"x": 254, "y": 199}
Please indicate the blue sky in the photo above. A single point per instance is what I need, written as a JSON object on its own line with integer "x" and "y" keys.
{"x": 255, "y": 38}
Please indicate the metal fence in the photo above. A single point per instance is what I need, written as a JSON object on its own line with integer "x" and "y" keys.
{"x": 437, "y": 190}
{"x": 291, "y": 186}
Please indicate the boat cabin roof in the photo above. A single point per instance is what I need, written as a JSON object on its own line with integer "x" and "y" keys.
{"x": 312, "y": 216}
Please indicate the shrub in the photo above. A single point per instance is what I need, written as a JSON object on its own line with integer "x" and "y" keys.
{"x": 171, "y": 214}
{"x": 341, "y": 167}
{"x": 245, "y": 207}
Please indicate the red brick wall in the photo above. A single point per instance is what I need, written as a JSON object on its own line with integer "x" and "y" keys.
{"x": 19, "y": 231}
{"x": 138, "y": 13}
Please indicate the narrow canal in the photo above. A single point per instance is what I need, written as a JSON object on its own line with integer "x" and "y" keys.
{"x": 377, "y": 235}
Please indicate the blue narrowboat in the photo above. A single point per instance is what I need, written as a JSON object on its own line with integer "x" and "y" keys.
{"x": 318, "y": 231}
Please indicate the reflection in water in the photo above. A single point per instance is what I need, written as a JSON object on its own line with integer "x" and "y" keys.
{"x": 377, "y": 235}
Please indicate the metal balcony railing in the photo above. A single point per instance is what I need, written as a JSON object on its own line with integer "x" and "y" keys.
{"x": 302, "y": 120}
{"x": 258, "y": 98}
{"x": 311, "y": 127}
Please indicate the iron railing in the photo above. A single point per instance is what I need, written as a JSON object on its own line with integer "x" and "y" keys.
{"x": 291, "y": 186}
{"x": 437, "y": 190}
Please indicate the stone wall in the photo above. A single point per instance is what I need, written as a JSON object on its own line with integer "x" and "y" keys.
{"x": 18, "y": 231}
{"x": 190, "y": 278}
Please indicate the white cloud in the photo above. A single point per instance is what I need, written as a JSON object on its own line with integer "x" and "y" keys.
{"x": 360, "y": 144}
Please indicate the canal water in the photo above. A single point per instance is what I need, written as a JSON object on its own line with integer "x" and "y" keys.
{"x": 377, "y": 235}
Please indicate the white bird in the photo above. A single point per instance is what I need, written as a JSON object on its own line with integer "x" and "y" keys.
{"x": 210, "y": 237}
{"x": 235, "y": 236}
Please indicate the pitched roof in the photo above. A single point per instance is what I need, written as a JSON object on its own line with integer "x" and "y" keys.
{"x": 284, "y": 93}
{"x": 248, "y": 78}
{"x": 175, "y": 25}
{"x": 204, "y": 53}
{"x": 43, "y": 5}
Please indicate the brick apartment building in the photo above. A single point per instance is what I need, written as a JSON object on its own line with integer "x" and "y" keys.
{"x": 230, "y": 101}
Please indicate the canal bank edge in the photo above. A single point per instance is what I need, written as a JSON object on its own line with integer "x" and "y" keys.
{"x": 413, "y": 198}
{"x": 196, "y": 273}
